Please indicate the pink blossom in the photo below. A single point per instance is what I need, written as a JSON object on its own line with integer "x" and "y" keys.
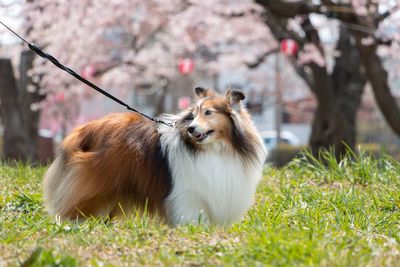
{"x": 311, "y": 54}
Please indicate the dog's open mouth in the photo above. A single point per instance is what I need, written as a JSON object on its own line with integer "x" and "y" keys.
{"x": 201, "y": 137}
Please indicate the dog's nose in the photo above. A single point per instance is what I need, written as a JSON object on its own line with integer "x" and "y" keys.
{"x": 191, "y": 129}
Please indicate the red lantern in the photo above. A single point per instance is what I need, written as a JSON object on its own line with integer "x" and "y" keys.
{"x": 184, "y": 102}
{"x": 289, "y": 47}
{"x": 185, "y": 65}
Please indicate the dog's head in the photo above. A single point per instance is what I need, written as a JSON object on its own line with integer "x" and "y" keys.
{"x": 210, "y": 119}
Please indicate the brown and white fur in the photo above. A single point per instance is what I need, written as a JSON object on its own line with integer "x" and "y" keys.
{"x": 205, "y": 169}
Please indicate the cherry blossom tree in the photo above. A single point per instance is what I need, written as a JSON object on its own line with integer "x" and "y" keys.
{"x": 128, "y": 44}
{"x": 337, "y": 73}
{"x": 122, "y": 45}
{"x": 137, "y": 43}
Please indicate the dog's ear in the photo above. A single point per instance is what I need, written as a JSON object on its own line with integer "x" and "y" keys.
{"x": 233, "y": 98}
{"x": 202, "y": 92}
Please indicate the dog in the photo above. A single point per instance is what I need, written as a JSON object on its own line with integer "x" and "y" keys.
{"x": 203, "y": 170}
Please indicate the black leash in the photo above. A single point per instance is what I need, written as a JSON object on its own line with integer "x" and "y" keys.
{"x": 53, "y": 60}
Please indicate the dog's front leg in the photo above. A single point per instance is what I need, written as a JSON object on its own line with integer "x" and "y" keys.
{"x": 187, "y": 210}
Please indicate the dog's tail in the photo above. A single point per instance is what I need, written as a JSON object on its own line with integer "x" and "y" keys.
{"x": 52, "y": 181}
{"x": 69, "y": 192}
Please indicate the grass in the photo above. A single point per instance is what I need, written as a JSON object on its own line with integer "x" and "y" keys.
{"x": 345, "y": 214}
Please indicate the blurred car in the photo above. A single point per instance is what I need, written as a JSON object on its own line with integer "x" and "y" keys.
{"x": 271, "y": 139}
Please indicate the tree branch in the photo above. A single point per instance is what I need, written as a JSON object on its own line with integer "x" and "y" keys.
{"x": 378, "y": 77}
{"x": 388, "y": 13}
{"x": 312, "y": 35}
{"x": 137, "y": 47}
{"x": 290, "y": 9}
{"x": 315, "y": 76}
{"x": 262, "y": 58}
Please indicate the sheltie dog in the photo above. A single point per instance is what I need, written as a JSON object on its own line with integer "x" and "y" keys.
{"x": 203, "y": 170}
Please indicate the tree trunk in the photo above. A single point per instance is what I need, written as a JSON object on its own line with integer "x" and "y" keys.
{"x": 334, "y": 120}
{"x": 339, "y": 95}
{"x": 378, "y": 77}
{"x": 29, "y": 94}
{"x": 19, "y": 120}
{"x": 335, "y": 126}
{"x": 14, "y": 140}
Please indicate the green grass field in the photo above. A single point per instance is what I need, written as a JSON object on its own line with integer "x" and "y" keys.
{"x": 345, "y": 214}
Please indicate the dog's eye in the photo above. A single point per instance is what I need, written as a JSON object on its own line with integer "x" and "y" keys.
{"x": 208, "y": 112}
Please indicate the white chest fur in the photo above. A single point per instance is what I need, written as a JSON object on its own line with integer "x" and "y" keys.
{"x": 209, "y": 187}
